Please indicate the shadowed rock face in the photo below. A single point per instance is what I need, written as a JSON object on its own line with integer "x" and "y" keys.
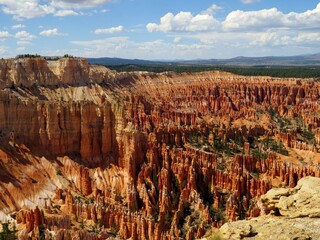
{"x": 92, "y": 153}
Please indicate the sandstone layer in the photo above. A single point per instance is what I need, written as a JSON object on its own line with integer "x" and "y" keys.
{"x": 92, "y": 153}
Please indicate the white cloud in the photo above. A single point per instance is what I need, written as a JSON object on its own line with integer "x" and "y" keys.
{"x": 307, "y": 38}
{"x": 238, "y": 20}
{"x": 23, "y": 43}
{"x": 67, "y": 4}
{"x": 113, "y": 46}
{"x": 5, "y": 34}
{"x": 50, "y": 32}
{"x": 271, "y": 39}
{"x": 24, "y": 36}
{"x": 184, "y": 22}
{"x": 249, "y": 33}
{"x": 21, "y": 9}
{"x": 106, "y": 41}
{"x": 66, "y": 12}
{"x": 272, "y": 19}
{"x": 123, "y": 47}
{"x": 212, "y": 9}
{"x": 21, "y": 49}
{"x": 26, "y": 9}
{"x": 177, "y": 39}
{"x": 162, "y": 50}
{"x": 275, "y": 39}
{"x": 307, "y": 19}
{"x": 186, "y": 34}
{"x": 3, "y": 51}
{"x": 111, "y": 30}
{"x": 249, "y": 1}
{"x": 254, "y": 19}
{"x": 18, "y": 26}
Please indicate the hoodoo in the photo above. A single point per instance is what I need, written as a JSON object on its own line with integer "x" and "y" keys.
{"x": 89, "y": 153}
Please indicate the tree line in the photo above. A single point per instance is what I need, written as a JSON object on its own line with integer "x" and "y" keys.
{"x": 276, "y": 71}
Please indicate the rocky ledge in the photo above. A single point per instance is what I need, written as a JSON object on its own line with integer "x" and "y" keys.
{"x": 293, "y": 213}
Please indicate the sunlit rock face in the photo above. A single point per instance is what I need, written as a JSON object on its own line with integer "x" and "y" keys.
{"x": 292, "y": 214}
{"x": 89, "y": 153}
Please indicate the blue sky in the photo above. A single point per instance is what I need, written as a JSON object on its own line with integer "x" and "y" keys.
{"x": 155, "y": 29}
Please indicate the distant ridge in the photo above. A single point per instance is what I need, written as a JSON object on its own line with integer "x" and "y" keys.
{"x": 301, "y": 60}
{"x": 122, "y": 61}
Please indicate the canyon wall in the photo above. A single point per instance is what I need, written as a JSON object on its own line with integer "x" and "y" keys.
{"x": 89, "y": 152}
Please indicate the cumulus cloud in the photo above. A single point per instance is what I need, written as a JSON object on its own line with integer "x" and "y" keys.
{"x": 111, "y": 30}
{"x": 307, "y": 38}
{"x": 26, "y": 9}
{"x": 50, "y": 32}
{"x": 275, "y": 39}
{"x": 24, "y": 36}
{"x": 202, "y": 33}
{"x": 183, "y": 22}
{"x": 271, "y": 39}
{"x": 307, "y": 19}
{"x": 5, "y": 34}
{"x": 66, "y": 12}
{"x": 212, "y": 9}
{"x": 21, "y": 9}
{"x": 271, "y": 19}
{"x": 67, "y": 4}
{"x": 237, "y": 21}
{"x": 18, "y": 26}
{"x": 254, "y": 19}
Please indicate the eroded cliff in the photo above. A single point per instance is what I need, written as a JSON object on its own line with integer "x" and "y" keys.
{"x": 92, "y": 153}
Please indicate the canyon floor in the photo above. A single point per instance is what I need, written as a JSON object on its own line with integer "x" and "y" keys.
{"x": 89, "y": 153}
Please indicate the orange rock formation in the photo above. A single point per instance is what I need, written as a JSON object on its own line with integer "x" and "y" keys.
{"x": 91, "y": 153}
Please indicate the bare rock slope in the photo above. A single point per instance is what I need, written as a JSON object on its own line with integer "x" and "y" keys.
{"x": 297, "y": 215}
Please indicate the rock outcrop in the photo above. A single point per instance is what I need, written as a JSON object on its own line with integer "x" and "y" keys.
{"x": 301, "y": 201}
{"x": 294, "y": 215}
{"x": 143, "y": 155}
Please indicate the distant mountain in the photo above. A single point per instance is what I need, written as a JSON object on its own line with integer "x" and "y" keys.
{"x": 301, "y": 60}
{"x": 122, "y": 61}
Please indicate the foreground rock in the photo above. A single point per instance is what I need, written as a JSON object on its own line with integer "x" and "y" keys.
{"x": 299, "y": 215}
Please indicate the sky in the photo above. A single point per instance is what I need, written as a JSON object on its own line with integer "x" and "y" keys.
{"x": 160, "y": 29}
